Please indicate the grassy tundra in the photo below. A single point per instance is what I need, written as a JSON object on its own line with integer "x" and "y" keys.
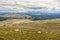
{"x": 17, "y": 29}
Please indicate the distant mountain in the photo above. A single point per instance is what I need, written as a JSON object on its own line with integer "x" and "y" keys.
{"x": 29, "y": 15}
{"x": 14, "y": 16}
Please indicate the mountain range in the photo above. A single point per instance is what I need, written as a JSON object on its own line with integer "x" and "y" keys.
{"x": 31, "y": 15}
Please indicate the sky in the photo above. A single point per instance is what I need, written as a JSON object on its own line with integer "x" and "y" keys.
{"x": 26, "y": 5}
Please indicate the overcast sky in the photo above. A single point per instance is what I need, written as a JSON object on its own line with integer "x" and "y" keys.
{"x": 23, "y": 5}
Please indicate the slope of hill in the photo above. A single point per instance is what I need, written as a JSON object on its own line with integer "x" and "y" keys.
{"x": 20, "y": 29}
{"x": 44, "y": 25}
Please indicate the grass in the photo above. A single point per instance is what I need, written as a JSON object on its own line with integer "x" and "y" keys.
{"x": 35, "y": 30}
{"x": 26, "y": 34}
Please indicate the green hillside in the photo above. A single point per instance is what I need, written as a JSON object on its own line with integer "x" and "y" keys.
{"x": 17, "y": 29}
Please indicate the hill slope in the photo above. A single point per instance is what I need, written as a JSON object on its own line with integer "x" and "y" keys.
{"x": 18, "y": 29}
{"x": 44, "y": 25}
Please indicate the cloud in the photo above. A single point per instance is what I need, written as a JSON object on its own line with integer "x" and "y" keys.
{"x": 23, "y": 5}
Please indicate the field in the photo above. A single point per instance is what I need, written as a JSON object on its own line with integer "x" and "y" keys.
{"x": 18, "y": 29}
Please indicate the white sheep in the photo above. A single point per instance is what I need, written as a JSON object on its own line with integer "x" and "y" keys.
{"x": 39, "y": 32}
{"x": 17, "y": 30}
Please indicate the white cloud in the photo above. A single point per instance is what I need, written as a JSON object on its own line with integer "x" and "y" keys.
{"x": 27, "y": 4}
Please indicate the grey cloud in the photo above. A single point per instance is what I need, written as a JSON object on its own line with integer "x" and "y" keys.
{"x": 26, "y": 4}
